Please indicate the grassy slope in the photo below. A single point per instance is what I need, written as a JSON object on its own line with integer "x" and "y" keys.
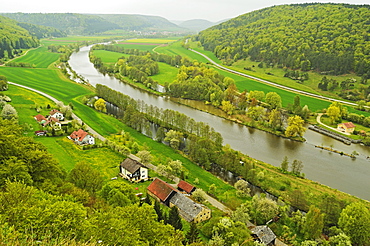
{"x": 108, "y": 125}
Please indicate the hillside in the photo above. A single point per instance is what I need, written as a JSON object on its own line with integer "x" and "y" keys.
{"x": 13, "y": 38}
{"x": 196, "y": 25}
{"x": 141, "y": 22}
{"x": 42, "y": 31}
{"x": 327, "y": 38}
{"x": 72, "y": 24}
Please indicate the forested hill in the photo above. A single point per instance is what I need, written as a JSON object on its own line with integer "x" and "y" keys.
{"x": 328, "y": 38}
{"x": 142, "y": 22}
{"x": 72, "y": 24}
{"x": 42, "y": 31}
{"x": 14, "y": 38}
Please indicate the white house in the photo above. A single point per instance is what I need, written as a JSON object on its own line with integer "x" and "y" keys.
{"x": 81, "y": 137}
{"x": 56, "y": 114}
{"x": 133, "y": 170}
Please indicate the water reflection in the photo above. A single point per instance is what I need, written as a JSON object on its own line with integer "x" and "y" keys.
{"x": 334, "y": 170}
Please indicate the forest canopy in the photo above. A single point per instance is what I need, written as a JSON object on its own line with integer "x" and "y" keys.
{"x": 328, "y": 38}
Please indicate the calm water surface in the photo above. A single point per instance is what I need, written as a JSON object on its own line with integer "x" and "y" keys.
{"x": 340, "y": 172}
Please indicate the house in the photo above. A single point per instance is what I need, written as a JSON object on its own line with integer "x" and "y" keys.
{"x": 53, "y": 122}
{"x": 263, "y": 234}
{"x": 161, "y": 191}
{"x": 347, "y": 127}
{"x": 56, "y": 114}
{"x": 133, "y": 170}
{"x": 40, "y": 119}
{"x": 185, "y": 186}
{"x": 188, "y": 209}
{"x": 81, "y": 137}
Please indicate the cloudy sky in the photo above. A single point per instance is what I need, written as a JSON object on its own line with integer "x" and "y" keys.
{"x": 213, "y": 10}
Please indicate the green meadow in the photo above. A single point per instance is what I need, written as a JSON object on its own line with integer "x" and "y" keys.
{"x": 39, "y": 57}
{"x": 108, "y": 57}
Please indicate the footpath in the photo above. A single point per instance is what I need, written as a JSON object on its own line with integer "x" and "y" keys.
{"x": 214, "y": 202}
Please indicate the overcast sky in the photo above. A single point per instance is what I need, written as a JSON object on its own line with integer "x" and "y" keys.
{"x": 212, "y": 10}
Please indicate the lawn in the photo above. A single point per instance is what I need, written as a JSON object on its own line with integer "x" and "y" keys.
{"x": 69, "y": 154}
{"x": 39, "y": 57}
{"x": 108, "y": 57}
{"x": 167, "y": 73}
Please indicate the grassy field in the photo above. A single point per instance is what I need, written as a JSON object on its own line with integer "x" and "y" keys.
{"x": 39, "y": 57}
{"x": 108, "y": 57}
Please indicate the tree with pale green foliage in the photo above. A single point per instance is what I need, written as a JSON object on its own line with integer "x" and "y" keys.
{"x": 100, "y": 105}
{"x": 354, "y": 220}
{"x": 314, "y": 223}
{"x": 9, "y": 113}
{"x": 295, "y": 127}
{"x": 273, "y": 100}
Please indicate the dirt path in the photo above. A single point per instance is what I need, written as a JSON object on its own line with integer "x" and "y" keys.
{"x": 318, "y": 119}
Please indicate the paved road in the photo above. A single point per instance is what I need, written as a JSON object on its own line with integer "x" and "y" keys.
{"x": 210, "y": 199}
{"x": 92, "y": 131}
{"x": 274, "y": 84}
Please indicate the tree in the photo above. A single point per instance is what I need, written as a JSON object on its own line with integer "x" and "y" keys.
{"x": 263, "y": 209}
{"x": 174, "y": 218}
{"x": 354, "y": 220}
{"x": 100, "y": 105}
{"x": 192, "y": 236}
{"x": 297, "y": 167}
{"x": 158, "y": 211}
{"x": 145, "y": 156}
{"x": 334, "y": 113}
{"x": 3, "y": 83}
{"x": 285, "y": 164}
{"x": 314, "y": 224}
{"x": 275, "y": 119}
{"x": 242, "y": 188}
{"x": 227, "y": 107}
{"x": 9, "y": 113}
{"x": 174, "y": 138}
{"x": 199, "y": 195}
{"x": 86, "y": 177}
{"x": 273, "y": 99}
{"x": 340, "y": 240}
{"x": 295, "y": 126}
{"x": 241, "y": 213}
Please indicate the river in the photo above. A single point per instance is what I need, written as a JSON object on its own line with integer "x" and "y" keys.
{"x": 340, "y": 172}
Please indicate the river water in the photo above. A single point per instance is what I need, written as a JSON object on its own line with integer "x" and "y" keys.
{"x": 340, "y": 172}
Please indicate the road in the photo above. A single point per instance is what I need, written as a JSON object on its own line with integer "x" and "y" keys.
{"x": 274, "y": 84}
{"x": 210, "y": 199}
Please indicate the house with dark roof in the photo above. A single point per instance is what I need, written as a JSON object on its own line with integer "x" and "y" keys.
{"x": 185, "y": 186}
{"x": 81, "y": 137}
{"x": 133, "y": 170}
{"x": 264, "y": 234}
{"x": 188, "y": 209}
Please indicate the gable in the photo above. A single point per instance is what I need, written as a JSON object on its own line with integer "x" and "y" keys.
{"x": 185, "y": 186}
{"x": 131, "y": 165}
{"x": 161, "y": 189}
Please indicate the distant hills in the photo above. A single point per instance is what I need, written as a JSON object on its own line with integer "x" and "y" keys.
{"x": 327, "y": 38}
{"x": 197, "y": 25}
{"x": 87, "y": 24}
{"x": 141, "y": 22}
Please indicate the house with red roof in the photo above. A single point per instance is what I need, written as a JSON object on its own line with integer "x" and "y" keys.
{"x": 185, "y": 186}
{"x": 161, "y": 191}
{"x": 347, "y": 127}
{"x": 188, "y": 209}
{"x": 133, "y": 170}
{"x": 81, "y": 137}
{"x": 40, "y": 118}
